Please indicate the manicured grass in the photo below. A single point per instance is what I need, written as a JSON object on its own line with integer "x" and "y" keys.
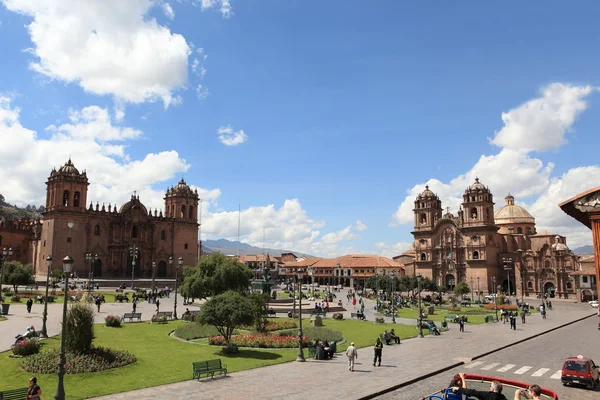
{"x": 162, "y": 359}
{"x": 2, "y": 319}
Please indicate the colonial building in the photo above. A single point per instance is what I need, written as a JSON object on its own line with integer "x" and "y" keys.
{"x": 487, "y": 249}
{"x": 117, "y": 235}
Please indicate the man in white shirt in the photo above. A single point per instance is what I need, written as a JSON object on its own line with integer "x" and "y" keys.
{"x": 352, "y": 354}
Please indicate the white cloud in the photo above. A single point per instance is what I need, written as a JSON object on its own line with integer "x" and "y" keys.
{"x": 338, "y": 236}
{"x": 26, "y": 158}
{"x": 168, "y": 11}
{"x": 392, "y": 250}
{"x": 359, "y": 226}
{"x": 541, "y": 124}
{"x": 202, "y": 92}
{"x": 108, "y": 47}
{"x": 230, "y": 137}
{"x": 224, "y": 6}
{"x": 537, "y": 125}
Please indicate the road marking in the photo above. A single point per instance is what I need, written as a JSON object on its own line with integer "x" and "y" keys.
{"x": 557, "y": 375}
{"x": 488, "y": 367}
{"x": 522, "y": 370}
{"x": 474, "y": 364}
{"x": 540, "y": 372}
{"x": 506, "y": 367}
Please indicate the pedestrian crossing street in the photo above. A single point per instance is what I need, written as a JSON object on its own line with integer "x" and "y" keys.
{"x": 514, "y": 369}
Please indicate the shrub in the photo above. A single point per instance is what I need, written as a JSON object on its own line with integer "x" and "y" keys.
{"x": 259, "y": 340}
{"x": 508, "y": 307}
{"x": 15, "y": 299}
{"x": 274, "y": 325}
{"x": 112, "y": 321}
{"x": 79, "y": 332}
{"x": 195, "y": 331}
{"x": 323, "y": 334}
{"x": 97, "y": 359}
{"x": 26, "y": 347}
{"x": 159, "y": 320}
{"x": 453, "y": 308}
{"x": 338, "y": 315}
{"x": 188, "y": 317}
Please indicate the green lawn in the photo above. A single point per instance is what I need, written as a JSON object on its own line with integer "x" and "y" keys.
{"x": 2, "y": 319}
{"x": 162, "y": 359}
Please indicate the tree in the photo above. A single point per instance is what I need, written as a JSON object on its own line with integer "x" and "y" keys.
{"x": 2, "y": 200}
{"x": 214, "y": 275}
{"x": 226, "y": 312}
{"x": 16, "y": 274}
{"x": 79, "y": 332}
{"x": 260, "y": 307}
{"x": 56, "y": 276}
{"x": 461, "y": 289}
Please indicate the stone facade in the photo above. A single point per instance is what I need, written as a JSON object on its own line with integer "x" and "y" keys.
{"x": 116, "y": 236}
{"x": 487, "y": 249}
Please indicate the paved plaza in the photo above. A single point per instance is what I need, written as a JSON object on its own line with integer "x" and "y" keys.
{"x": 324, "y": 379}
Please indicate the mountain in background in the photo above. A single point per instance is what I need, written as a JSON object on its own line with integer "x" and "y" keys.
{"x": 587, "y": 249}
{"x": 229, "y": 247}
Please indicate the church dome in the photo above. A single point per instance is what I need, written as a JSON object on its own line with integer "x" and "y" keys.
{"x": 477, "y": 187}
{"x": 558, "y": 245}
{"x": 427, "y": 194}
{"x": 133, "y": 204}
{"x": 512, "y": 213}
{"x": 68, "y": 168}
{"x": 182, "y": 189}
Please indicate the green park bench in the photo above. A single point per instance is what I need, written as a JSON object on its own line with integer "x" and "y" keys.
{"x": 168, "y": 314}
{"x": 131, "y": 317}
{"x": 14, "y": 394}
{"x": 121, "y": 298}
{"x": 209, "y": 367}
{"x": 449, "y": 318}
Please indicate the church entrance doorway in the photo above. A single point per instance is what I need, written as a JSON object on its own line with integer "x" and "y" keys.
{"x": 505, "y": 287}
{"x": 161, "y": 271}
{"x": 98, "y": 269}
{"x": 549, "y": 289}
{"x": 450, "y": 282}
{"x": 138, "y": 261}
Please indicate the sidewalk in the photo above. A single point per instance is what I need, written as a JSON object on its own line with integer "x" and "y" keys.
{"x": 331, "y": 379}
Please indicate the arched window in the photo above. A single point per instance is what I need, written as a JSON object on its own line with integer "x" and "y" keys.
{"x": 520, "y": 230}
{"x": 191, "y": 212}
{"x": 530, "y": 285}
{"x": 134, "y": 232}
{"x": 423, "y": 257}
{"x": 185, "y": 246}
{"x": 182, "y": 212}
{"x": 163, "y": 235}
{"x": 76, "y": 197}
{"x": 423, "y": 218}
{"x": 66, "y": 198}
{"x": 474, "y": 213}
{"x": 475, "y": 255}
{"x": 97, "y": 230}
{"x": 569, "y": 285}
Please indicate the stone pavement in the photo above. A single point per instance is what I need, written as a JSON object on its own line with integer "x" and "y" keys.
{"x": 19, "y": 319}
{"x": 331, "y": 379}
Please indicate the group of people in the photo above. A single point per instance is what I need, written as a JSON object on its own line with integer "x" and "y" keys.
{"x": 511, "y": 317}
{"x": 325, "y": 347}
{"x": 390, "y": 336}
{"x": 458, "y": 388}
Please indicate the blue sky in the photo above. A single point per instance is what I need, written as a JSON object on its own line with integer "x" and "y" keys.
{"x": 347, "y": 109}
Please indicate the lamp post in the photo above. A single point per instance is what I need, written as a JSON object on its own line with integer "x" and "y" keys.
{"x": 60, "y": 388}
{"x": 133, "y": 252}
{"x": 5, "y": 253}
{"x": 300, "y": 333}
{"x": 478, "y": 292}
{"x": 179, "y": 265}
{"x": 312, "y": 285}
{"x": 44, "y": 332}
{"x": 338, "y": 269}
{"x": 508, "y": 267}
{"x": 153, "y": 274}
{"x": 522, "y": 269}
{"x": 91, "y": 258}
{"x": 393, "y": 297}
{"x": 420, "y": 310}
{"x": 495, "y": 296}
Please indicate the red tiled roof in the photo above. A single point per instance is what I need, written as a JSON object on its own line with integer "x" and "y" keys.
{"x": 347, "y": 261}
{"x": 586, "y": 271}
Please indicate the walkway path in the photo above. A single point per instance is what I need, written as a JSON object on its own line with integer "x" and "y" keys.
{"x": 331, "y": 379}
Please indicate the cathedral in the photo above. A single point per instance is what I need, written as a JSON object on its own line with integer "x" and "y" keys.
{"x": 489, "y": 249}
{"x": 120, "y": 240}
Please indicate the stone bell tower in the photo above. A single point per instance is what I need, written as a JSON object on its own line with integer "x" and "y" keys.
{"x": 66, "y": 189}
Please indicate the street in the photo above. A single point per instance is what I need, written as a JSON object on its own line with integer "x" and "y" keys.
{"x": 535, "y": 361}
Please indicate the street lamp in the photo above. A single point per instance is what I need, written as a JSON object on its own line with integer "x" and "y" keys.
{"x": 478, "y": 292}
{"x": 133, "y": 252}
{"x": 508, "y": 267}
{"x": 310, "y": 273}
{"x": 44, "y": 332}
{"x": 153, "y": 274}
{"x": 338, "y": 269}
{"x": 60, "y": 388}
{"x": 5, "y": 253}
{"x": 300, "y": 333}
{"x": 179, "y": 265}
{"x": 393, "y": 297}
{"x": 495, "y": 296}
{"x": 420, "y": 309}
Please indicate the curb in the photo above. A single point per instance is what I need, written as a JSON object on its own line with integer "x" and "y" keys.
{"x": 447, "y": 368}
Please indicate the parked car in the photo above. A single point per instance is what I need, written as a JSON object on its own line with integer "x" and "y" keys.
{"x": 594, "y": 303}
{"x": 580, "y": 371}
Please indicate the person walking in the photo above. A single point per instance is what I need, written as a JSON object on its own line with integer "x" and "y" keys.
{"x": 98, "y": 302}
{"x": 378, "y": 351}
{"x": 157, "y": 305}
{"x": 461, "y": 323}
{"x": 29, "y": 305}
{"x": 543, "y": 311}
{"x": 352, "y": 354}
{"x": 523, "y": 313}
{"x": 34, "y": 392}
{"x": 134, "y": 304}
{"x": 513, "y": 321}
